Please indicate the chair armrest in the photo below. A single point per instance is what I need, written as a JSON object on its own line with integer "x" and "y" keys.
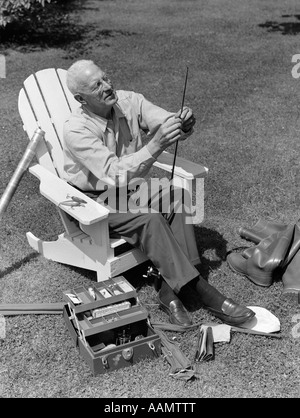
{"x": 183, "y": 168}
{"x": 56, "y": 190}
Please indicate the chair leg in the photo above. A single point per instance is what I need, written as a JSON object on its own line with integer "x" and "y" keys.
{"x": 78, "y": 253}
{"x": 85, "y": 254}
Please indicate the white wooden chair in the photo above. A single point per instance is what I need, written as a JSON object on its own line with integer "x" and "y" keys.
{"x": 45, "y": 102}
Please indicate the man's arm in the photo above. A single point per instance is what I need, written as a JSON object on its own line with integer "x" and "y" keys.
{"x": 169, "y": 132}
{"x": 89, "y": 160}
{"x": 166, "y": 126}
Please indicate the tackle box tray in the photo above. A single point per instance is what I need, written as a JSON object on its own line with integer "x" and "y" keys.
{"x": 108, "y": 292}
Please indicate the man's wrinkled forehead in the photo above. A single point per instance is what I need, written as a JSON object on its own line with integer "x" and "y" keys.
{"x": 90, "y": 74}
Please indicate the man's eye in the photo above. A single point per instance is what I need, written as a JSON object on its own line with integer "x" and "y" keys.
{"x": 98, "y": 83}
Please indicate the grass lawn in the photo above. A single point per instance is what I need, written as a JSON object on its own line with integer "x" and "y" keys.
{"x": 246, "y": 103}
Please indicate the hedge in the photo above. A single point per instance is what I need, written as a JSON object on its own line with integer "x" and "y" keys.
{"x": 12, "y": 10}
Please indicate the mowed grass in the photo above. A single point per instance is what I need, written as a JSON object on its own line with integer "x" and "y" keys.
{"x": 246, "y": 103}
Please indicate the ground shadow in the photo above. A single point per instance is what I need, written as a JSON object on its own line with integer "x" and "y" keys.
{"x": 135, "y": 275}
{"x": 290, "y": 27}
{"x": 57, "y": 25}
{"x": 212, "y": 248}
{"x": 18, "y": 264}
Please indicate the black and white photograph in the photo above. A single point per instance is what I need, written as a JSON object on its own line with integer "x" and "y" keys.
{"x": 149, "y": 202}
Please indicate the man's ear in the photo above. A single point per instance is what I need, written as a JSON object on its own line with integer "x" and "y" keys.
{"x": 79, "y": 99}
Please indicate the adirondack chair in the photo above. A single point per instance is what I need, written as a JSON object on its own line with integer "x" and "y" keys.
{"x": 45, "y": 102}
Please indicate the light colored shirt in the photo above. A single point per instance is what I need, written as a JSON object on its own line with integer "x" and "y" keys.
{"x": 99, "y": 152}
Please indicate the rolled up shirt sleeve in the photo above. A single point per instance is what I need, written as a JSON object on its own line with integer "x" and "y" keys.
{"x": 150, "y": 116}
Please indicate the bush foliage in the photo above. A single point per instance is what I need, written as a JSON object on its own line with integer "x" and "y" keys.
{"x": 12, "y": 10}
{"x": 42, "y": 24}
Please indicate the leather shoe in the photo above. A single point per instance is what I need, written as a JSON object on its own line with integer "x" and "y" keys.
{"x": 232, "y": 313}
{"x": 178, "y": 315}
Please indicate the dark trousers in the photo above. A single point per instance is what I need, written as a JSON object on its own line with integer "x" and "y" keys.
{"x": 171, "y": 248}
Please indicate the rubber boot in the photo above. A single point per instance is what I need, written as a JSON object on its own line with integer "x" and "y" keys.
{"x": 291, "y": 275}
{"x": 261, "y": 230}
{"x": 261, "y": 263}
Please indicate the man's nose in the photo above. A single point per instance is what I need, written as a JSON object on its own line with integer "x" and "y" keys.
{"x": 106, "y": 85}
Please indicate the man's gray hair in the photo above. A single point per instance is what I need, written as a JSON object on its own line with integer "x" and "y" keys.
{"x": 74, "y": 80}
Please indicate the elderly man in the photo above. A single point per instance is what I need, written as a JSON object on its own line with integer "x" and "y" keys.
{"x": 103, "y": 146}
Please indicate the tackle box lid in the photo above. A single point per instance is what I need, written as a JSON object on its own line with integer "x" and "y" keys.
{"x": 100, "y": 294}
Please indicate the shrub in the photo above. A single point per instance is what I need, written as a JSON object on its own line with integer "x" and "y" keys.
{"x": 11, "y": 10}
{"x": 55, "y": 24}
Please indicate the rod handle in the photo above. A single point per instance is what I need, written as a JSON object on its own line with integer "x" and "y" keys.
{"x": 20, "y": 170}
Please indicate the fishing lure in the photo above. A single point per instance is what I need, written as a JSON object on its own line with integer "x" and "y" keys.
{"x": 92, "y": 293}
{"x": 75, "y": 201}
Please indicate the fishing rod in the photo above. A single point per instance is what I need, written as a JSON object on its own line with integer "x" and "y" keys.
{"x": 24, "y": 163}
{"x": 181, "y": 110}
{"x": 170, "y": 217}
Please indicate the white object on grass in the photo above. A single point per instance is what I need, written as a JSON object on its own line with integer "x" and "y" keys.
{"x": 264, "y": 321}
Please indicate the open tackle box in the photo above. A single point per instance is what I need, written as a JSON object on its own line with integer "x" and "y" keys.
{"x": 109, "y": 325}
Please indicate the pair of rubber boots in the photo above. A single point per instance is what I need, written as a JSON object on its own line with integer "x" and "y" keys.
{"x": 276, "y": 254}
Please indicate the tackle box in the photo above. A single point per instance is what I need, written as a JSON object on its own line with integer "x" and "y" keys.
{"x": 109, "y": 325}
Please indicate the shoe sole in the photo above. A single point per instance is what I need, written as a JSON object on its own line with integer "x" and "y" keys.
{"x": 242, "y": 322}
{"x": 248, "y": 277}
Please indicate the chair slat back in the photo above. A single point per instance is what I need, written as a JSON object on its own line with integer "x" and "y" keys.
{"x": 46, "y": 103}
{"x": 73, "y": 104}
{"x": 30, "y": 124}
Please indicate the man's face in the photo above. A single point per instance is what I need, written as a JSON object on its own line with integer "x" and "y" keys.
{"x": 97, "y": 89}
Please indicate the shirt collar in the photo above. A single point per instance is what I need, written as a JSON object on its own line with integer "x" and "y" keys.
{"x": 103, "y": 121}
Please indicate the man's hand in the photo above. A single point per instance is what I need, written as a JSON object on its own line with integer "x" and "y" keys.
{"x": 177, "y": 128}
{"x": 168, "y": 133}
{"x": 187, "y": 118}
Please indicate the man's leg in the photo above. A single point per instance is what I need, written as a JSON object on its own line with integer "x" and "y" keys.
{"x": 169, "y": 248}
{"x": 177, "y": 201}
{"x": 222, "y": 307}
{"x": 185, "y": 236}
{"x": 151, "y": 233}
